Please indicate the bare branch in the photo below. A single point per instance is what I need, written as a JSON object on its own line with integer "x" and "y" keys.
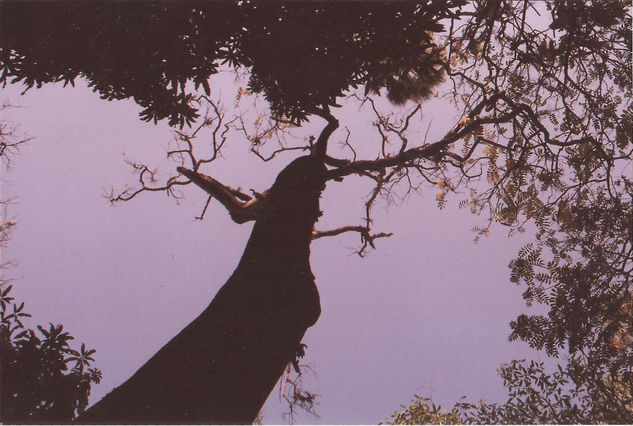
{"x": 188, "y": 150}
{"x": 366, "y": 237}
{"x": 278, "y": 151}
{"x": 293, "y": 392}
{"x": 349, "y": 145}
{"x": 204, "y": 209}
{"x": 10, "y": 141}
{"x": 146, "y": 174}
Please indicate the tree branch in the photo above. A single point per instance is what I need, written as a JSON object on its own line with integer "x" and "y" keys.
{"x": 430, "y": 151}
{"x": 364, "y": 231}
{"x": 320, "y": 147}
{"x": 240, "y": 211}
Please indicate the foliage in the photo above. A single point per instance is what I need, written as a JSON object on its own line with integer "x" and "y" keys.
{"x": 43, "y": 379}
{"x": 565, "y": 396}
{"x": 550, "y": 109}
{"x": 301, "y": 55}
{"x": 582, "y": 271}
{"x": 424, "y": 411}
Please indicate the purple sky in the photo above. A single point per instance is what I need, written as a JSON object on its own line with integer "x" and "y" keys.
{"x": 427, "y": 313}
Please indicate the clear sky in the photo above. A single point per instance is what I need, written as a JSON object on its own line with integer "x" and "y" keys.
{"x": 427, "y": 313}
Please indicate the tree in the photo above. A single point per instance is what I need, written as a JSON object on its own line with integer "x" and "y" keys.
{"x": 276, "y": 258}
{"x": 545, "y": 107}
{"x": 240, "y": 345}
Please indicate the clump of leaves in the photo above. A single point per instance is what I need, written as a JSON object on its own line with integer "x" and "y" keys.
{"x": 424, "y": 411}
{"x": 566, "y": 396}
{"x": 42, "y": 378}
{"x": 581, "y": 270}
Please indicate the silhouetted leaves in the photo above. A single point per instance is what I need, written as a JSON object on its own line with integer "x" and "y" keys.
{"x": 570, "y": 395}
{"x": 37, "y": 385}
{"x": 301, "y": 55}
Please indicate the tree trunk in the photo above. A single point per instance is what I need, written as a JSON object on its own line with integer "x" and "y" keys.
{"x": 222, "y": 366}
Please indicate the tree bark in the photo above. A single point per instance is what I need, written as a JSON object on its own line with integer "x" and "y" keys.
{"x": 222, "y": 366}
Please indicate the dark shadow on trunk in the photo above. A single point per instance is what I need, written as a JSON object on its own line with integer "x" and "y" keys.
{"x": 222, "y": 366}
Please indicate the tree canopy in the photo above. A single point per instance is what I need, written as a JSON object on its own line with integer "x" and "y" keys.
{"x": 301, "y": 55}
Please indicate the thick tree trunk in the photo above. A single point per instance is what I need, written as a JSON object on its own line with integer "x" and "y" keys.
{"x": 222, "y": 366}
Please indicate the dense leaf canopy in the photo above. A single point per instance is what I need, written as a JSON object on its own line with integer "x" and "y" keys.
{"x": 301, "y": 54}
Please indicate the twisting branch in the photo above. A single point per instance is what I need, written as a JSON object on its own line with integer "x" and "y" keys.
{"x": 320, "y": 147}
{"x": 348, "y": 145}
{"x": 278, "y": 151}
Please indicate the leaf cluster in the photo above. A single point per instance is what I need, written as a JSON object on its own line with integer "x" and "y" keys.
{"x": 43, "y": 379}
{"x": 581, "y": 269}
